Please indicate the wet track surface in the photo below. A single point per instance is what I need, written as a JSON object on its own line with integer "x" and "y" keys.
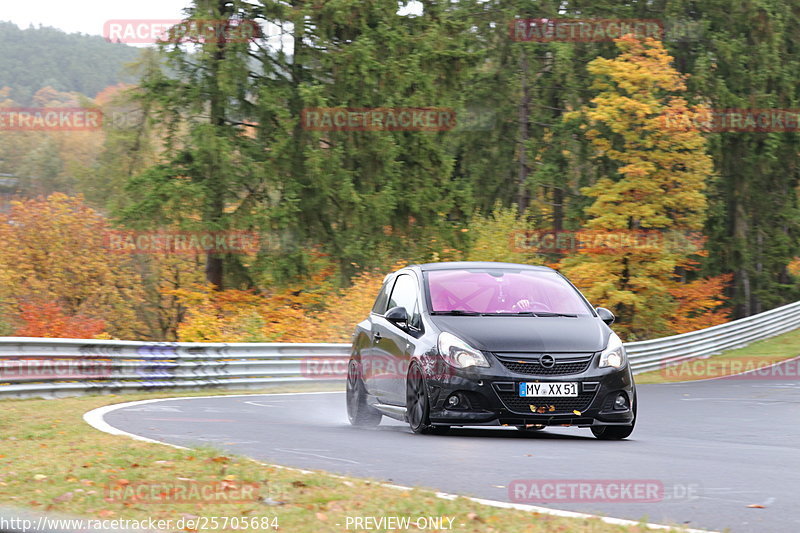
{"x": 730, "y": 443}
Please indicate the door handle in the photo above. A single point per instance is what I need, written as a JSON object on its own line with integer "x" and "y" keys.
{"x": 377, "y": 336}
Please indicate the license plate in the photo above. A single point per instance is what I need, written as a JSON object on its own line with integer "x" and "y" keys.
{"x": 548, "y": 389}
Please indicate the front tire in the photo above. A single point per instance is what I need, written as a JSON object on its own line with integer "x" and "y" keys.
{"x": 418, "y": 406}
{"x": 617, "y": 432}
{"x": 359, "y": 412}
{"x": 612, "y": 432}
{"x": 531, "y": 428}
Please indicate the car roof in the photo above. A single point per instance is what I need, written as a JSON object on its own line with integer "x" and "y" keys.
{"x": 457, "y": 265}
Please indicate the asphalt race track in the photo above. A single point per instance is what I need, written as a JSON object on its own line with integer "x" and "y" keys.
{"x": 728, "y": 443}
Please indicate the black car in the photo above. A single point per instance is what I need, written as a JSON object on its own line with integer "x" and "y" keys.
{"x": 482, "y": 343}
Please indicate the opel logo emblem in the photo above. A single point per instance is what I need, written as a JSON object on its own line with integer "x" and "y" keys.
{"x": 547, "y": 361}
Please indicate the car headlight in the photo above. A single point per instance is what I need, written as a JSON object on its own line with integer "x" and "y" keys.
{"x": 614, "y": 354}
{"x": 458, "y": 353}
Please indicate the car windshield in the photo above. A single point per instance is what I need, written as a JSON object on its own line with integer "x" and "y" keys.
{"x": 502, "y": 291}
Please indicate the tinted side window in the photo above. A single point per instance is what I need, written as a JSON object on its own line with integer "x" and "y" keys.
{"x": 383, "y": 296}
{"x": 404, "y": 294}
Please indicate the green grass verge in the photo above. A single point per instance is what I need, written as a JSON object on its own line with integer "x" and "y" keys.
{"x": 759, "y": 353}
{"x": 51, "y": 461}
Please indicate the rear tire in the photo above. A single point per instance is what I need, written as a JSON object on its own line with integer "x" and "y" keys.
{"x": 359, "y": 412}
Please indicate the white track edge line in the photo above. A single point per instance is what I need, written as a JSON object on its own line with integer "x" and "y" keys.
{"x": 95, "y": 418}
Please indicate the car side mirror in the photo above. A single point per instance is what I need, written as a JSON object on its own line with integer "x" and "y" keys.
{"x": 605, "y": 315}
{"x": 397, "y": 315}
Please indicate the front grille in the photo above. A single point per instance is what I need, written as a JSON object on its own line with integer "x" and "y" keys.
{"x": 514, "y": 403}
{"x": 529, "y": 364}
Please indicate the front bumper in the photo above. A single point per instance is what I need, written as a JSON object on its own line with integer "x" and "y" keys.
{"x": 489, "y": 396}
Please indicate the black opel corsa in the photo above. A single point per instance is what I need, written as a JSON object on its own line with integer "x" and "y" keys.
{"x": 474, "y": 343}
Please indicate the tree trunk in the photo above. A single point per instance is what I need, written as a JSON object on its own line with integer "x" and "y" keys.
{"x": 216, "y": 204}
{"x": 524, "y": 111}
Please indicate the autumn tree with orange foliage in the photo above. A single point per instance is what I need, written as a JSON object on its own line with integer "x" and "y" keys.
{"x": 162, "y": 311}
{"x": 654, "y": 180}
{"x": 312, "y": 310}
{"x": 47, "y": 319}
{"x": 700, "y": 303}
{"x": 281, "y": 314}
{"x": 56, "y": 271}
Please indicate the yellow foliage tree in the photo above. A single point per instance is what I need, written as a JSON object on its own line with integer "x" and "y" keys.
{"x": 495, "y": 236}
{"x": 350, "y": 306}
{"x": 219, "y": 316}
{"x": 656, "y": 181}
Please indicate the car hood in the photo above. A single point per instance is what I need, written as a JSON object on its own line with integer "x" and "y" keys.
{"x": 527, "y": 334}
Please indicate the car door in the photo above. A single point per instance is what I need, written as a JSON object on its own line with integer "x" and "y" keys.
{"x": 385, "y": 371}
{"x": 368, "y": 342}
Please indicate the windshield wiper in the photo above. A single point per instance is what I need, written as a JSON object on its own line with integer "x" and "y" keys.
{"x": 520, "y": 313}
{"x": 532, "y": 313}
{"x": 456, "y": 312}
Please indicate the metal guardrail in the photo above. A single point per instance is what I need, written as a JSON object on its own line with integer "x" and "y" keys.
{"x": 31, "y": 367}
{"x": 655, "y": 353}
{"x": 38, "y": 367}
